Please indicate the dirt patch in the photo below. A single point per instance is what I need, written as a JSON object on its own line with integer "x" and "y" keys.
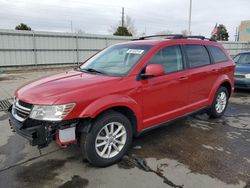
{"x": 39, "y": 173}
{"x": 126, "y": 163}
{"x": 75, "y": 182}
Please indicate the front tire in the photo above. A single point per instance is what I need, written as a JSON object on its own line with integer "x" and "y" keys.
{"x": 220, "y": 102}
{"x": 108, "y": 140}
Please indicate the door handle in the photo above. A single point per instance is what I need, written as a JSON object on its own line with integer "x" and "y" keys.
{"x": 214, "y": 70}
{"x": 183, "y": 78}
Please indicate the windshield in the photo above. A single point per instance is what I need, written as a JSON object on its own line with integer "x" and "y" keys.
{"x": 116, "y": 60}
{"x": 242, "y": 59}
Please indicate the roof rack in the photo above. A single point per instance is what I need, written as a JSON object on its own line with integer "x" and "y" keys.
{"x": 173, "y": 36}
{"x": 176, "y": 36}
{"x": 198, "y": 37}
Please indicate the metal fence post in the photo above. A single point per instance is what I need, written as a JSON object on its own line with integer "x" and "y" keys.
{"x": 34, "y": 48}
{"x": 77, "y": 50}
{"x": 106, "y": 42}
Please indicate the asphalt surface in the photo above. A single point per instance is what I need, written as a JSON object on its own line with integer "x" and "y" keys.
{"x": 193, "y": 152}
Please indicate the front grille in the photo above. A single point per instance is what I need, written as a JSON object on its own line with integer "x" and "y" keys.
{"x": 24, "y": 104}
{"x": 21, "y": 110}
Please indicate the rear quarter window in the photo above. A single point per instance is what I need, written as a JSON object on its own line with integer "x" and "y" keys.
{"x": 217, "y": 54}
{"x": 197, "y": 55}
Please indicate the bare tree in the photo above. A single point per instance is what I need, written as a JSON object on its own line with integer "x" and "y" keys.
{"x": 184, "y": 32}
{"x": 130, "y": 24}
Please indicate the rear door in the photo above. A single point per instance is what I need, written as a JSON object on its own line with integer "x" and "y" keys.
{"x": 201, "y": 75}
{"x": 219, "y": 61}
{"x": 165, "y": 97}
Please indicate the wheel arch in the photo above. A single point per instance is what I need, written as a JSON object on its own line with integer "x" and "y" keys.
{"x": 221, "y": 81}
{"x": 228, "y": 86}
{"x": 124, "y": 105}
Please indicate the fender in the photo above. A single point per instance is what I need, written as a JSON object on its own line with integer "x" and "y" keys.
{"x": 107, "y": 102}
{"x": 217, "y": 83}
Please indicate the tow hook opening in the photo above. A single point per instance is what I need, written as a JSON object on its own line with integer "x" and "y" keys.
{"x": 66, "y": 135}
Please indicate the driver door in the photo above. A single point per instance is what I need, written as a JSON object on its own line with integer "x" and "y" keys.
{"x": 165, "y": 97}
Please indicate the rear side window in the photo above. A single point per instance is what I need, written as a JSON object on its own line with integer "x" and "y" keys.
{"x": 197, "y": 55}
{"x": 217, "y": 54}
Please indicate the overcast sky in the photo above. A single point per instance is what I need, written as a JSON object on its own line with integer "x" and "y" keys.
{"x": 96, "y": 16}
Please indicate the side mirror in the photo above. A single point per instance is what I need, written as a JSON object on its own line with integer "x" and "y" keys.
{"x": 153, "y": 70}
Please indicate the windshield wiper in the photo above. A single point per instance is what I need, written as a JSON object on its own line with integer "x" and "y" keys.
{"x": 92, "y": 70}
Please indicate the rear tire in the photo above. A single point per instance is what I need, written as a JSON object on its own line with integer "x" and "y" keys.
{"x": 219, "y": 104}
{"x": 108, "y": 140}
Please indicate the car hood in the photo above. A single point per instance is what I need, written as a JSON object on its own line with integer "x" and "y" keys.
{"x": 242, "y": 68}
{"x": 50, "y": 89}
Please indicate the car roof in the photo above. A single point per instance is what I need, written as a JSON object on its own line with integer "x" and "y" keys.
{"x": 247, "y": 52}
{"x": 154, "y": 42}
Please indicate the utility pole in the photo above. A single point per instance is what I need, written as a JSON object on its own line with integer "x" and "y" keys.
{"x": 189, "y": 20}
{"x": 236, "y": 34}
{"x": 71, "y": 26}
{"x": 122, "y": 16}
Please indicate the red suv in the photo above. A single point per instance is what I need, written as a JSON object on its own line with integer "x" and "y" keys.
{"x": 123, "y": 91}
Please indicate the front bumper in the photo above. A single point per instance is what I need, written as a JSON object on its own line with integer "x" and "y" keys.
{"x": 243, "y": 83}
{"x": 37, "y": 133}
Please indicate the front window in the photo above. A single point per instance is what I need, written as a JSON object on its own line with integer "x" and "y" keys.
{"x": 170, "y": 58}
{"x": 116, "y": 60}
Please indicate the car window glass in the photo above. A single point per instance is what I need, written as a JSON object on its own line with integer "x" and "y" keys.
{"x": 197, "y": 55}
{"x": 217, "y": 54}
{"x": 117, "y": 60}
{"x": 244, "y": 59}
{"x": 170, "y": 58}
{"x": 236, "y": 58}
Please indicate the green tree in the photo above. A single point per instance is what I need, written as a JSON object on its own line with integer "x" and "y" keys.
{"x": 122, "y": 31}
{"x": 222, "y": 33}
{"x": 128, "y": 25}
{"x": 22, "y": 26}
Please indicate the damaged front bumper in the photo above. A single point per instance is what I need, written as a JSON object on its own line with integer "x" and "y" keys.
{"x": 41, "y": 133}
{"x": 38, "y": 134}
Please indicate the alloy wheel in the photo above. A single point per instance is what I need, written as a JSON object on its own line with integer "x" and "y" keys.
{"x": 110, "y": 140}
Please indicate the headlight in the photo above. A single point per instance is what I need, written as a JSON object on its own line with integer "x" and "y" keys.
{"x": 247, "y": 76}
{"x": 51, "y": 113}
